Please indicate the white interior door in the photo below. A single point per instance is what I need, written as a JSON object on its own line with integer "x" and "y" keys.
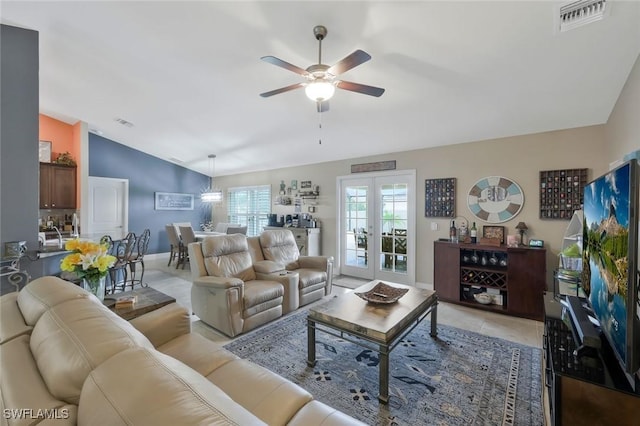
{"x": 377, "y": 226}
{"x": 108, "y": 207}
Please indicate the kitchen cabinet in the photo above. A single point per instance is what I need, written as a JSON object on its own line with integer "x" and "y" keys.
{"x": 512, "y": 277}
{"x": 57, "y": 186}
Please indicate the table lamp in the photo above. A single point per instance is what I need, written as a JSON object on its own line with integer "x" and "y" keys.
{"x": 521, "y": 227}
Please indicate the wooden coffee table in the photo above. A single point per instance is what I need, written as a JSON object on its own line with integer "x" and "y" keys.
{"x": 148, "y": 299}
{"x": 378, "y": 327}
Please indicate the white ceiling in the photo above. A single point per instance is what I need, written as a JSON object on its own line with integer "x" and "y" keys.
{"x": 188, "y": 74}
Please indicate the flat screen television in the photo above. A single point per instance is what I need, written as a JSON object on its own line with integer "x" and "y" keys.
{"x": 611, "y": 260}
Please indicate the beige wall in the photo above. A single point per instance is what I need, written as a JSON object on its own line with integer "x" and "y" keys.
{"x": 622, "y": 132}
{"x": 518, "y": 158}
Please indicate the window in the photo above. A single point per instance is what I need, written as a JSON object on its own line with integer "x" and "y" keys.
{"x": 249, "y": 205}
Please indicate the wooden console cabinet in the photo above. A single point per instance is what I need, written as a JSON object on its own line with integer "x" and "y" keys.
{"x": 57, "y": 186}
{"x": 514, "y": 277}
{"x": 587, "y": 390}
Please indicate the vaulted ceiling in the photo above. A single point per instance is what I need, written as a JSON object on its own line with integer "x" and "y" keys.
{"x": 188, "y": 75}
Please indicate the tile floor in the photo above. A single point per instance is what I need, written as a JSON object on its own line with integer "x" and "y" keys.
{"x": 528, "y": 332}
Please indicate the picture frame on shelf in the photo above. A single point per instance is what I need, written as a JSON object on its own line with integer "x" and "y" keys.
{"x": 44, "y": 151}
{"x": 492, "y": 231}
{"x": 305, "y": 184}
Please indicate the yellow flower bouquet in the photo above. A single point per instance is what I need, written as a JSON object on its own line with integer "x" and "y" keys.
{"x": 89, "y": 261}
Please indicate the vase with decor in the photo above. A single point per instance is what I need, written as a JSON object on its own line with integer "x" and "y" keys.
{"x": 90, "y": 262}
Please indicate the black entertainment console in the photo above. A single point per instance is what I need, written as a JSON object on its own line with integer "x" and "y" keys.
{"x": 585, "y": 383}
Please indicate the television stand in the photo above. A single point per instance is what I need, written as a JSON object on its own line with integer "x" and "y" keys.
{"x": 587, "y": 387}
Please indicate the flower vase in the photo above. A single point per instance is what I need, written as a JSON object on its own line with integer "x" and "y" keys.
{"x": 95, "y": 287}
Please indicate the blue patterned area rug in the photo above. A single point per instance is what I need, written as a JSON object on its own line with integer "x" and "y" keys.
{"x": 458, "y": 378}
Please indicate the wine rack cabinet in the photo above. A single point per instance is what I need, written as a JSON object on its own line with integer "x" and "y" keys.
{"x": 515, "y": 278}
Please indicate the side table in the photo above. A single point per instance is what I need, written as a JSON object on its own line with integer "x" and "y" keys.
{"x": 147, "y": 299}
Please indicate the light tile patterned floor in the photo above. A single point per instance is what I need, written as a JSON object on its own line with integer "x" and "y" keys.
{"x": 177, "y": 283}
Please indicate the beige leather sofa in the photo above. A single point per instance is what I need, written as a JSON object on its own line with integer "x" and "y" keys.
{"x": 278, "y": 251}
{"x": 67, "y": 359}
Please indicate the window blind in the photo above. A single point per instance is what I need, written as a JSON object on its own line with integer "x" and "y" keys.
{"x": 249, "y": 205}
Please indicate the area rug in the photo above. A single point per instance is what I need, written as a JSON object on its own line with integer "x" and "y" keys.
{"x": 458, "y": 378}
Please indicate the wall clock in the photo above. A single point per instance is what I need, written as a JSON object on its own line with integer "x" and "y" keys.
{"x": 495, "y": 199}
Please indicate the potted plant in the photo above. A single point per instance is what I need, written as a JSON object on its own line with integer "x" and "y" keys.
{"x": 89, "y": 261}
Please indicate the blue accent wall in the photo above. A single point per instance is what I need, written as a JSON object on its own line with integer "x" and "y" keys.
{"x": 147, "y": 175}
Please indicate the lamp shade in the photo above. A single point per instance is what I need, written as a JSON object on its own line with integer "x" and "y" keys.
{"x": 521, "y": 226}
{"x": 319, "y": 90}
{"x": 211, "y": 196}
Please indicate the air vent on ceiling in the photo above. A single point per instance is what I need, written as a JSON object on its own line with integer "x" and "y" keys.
{"x": 124, "y": 122}
{"x": 582, "y": 12}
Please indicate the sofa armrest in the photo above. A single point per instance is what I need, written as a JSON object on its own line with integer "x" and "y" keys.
{"x": 290, "y": 280}
{"x": 317, "y": 413}
{"x": 164, "y": 324}
{"x": 315, "y": 262}
{"x": 218, "y": 282}
{"x": 267, "y": 267}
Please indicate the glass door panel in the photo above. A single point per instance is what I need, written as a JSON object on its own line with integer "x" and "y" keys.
{"x": 355, "y": 235}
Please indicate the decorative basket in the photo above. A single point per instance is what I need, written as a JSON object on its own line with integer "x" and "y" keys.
{"x": 383, "y": 293}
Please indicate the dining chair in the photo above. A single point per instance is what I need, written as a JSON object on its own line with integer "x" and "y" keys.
{"x": 188, "y": 236}
{"x": 177, "y": 249}
{"x": 237, "y": 230}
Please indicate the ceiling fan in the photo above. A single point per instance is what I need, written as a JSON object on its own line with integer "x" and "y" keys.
{"x": 320, "y": 79}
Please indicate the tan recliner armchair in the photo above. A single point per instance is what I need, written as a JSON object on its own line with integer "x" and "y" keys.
{"x": 227, "y": 293}
{"x": 315, "y": 272}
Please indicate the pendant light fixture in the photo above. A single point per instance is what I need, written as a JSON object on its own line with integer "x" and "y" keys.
{"x": 211, "y": 194}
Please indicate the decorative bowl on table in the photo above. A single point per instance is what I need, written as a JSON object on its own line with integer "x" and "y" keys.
{"x": 383, "y": 293}
{"x": 483, "y": 298}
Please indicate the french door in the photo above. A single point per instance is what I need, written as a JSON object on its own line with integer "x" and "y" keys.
{"x": 377, "y": 226}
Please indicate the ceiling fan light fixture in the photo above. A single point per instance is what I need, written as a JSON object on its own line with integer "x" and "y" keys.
{"x": 319, "y": 90}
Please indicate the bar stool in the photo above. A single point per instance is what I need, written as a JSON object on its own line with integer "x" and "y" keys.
{"x": 121, "y": 250}
{"x": 140, "y": 246}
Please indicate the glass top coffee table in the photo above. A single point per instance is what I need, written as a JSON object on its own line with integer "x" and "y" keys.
{"x": 378, "y": 327}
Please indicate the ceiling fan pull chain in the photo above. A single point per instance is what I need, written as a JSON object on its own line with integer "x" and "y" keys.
{"x": 319, "y": 126}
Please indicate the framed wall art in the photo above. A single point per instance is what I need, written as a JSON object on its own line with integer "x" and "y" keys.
{"x": 561, "y": 192}
{"x": 495, "y": 199}
{"x": 440, "y": 197}
{"x": 491, "y": 231}
{"x": 173, "y": 201}
{"x": 44, "y": 152}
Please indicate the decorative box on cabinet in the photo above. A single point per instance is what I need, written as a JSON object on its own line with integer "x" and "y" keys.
{"x": 588, "y": 390}
{"x": 307, "y": 239}
{"x": 514, "y": 277}
{"x": 57, "y": 186}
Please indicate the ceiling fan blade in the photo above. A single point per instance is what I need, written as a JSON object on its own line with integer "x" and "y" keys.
{"x": 360, "y": 88}
{"x": 282, "y": 90}
{"x": 323, "y": 106}
{"x": 286, "y": 65}
{"x": 353, "y": 60}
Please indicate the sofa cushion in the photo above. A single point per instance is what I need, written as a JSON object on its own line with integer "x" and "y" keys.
{"x": 259, "y": 292}
{"x": 228, "y": 256}
{"x": 142, "y": 386}
{"x": 310, "y": 277}
{"x": 43, "y": 293}
{"x": 197, "y": 352}
{"x": 280, "y": 246}
{"x": 22, "y": 387}
{"x": 255, "y": 249}
{"x": 73, "y": 338}
{"x": 12, "y": 323}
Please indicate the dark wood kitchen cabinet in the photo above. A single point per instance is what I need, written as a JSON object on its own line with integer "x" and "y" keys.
{"x": 513, "y": 278}
{"x": 57, "y": 186}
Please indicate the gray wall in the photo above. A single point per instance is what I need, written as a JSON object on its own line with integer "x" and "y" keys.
{"x": 19, "y": 135}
